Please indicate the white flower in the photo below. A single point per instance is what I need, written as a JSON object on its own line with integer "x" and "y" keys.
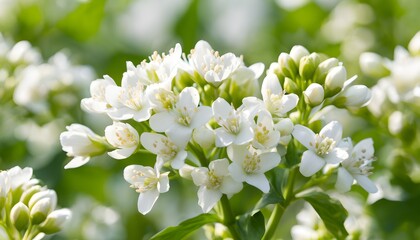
{"x": 124, "y": 137}
{"x": 314, "y": 94}
{"x": 160, "y": 68}
{"x": 210, "y": 65}
{"x": 128, "y": 101}
{"x": 235, "y": 126}
{"x": 322, "y": 147}
{"x": 214, "y": 182}
{"x": 285, "y": 127}
{"x": 18, "y": 176}
{"x": 335, "y": 78}
{"x": 97, "y": 102}
{"x": 148, "y": 182}
{"x": 265, "y": 136}
{"x": 165, "y": 149}
{"x": 179, "y": 122}
{"x": 81, "y": 143}
{"x": 297, "y": 52}
{"x": 274, "y": 99}
{"x": 373, "y": 64}
{"x": 249, "y": 165}
{"x": 357, "y": 166}
{"x": 161, "y": 97}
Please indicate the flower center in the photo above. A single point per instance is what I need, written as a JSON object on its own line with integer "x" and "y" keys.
{"x": 323, "y": 145}
{"x": 261, "y": 133}
{"x": 125, "y": 137}
{"x": 166, "y": 149}
{"x": 251, "y": 163}
{"x": 214, "y": 181}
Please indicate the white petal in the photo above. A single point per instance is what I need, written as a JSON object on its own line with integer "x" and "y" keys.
{"x": 220, "y": 167}
{"x": 148, "y": 141}
{"x": 259, "y": 181}
{"x": 143, "y": 114}
{"x": 122, "y": 153}
{"x": 332, "y": 130}
{"x": 221, "y": 109}
{"x": 366, "y": 183}
{"x": 230, "y": 186}
{"x": 179, "y": 134}
{"x": 163, "y": 184}
{"x": 245, "y": 135}
{"x": 201, "y": 117}
{"x": 147, "y": 200}
{"x": 122, "y": 113}
{"x": 258, "y": 69}
{"x": 160, "y": 122}
{"x": 223, "y": 138}
{"x": 237, "y": 172}
{"x": 188, "y": 98}
{"x": 271, "y": 84}
{"x": 289, "y": 102}
{"x": 77, "y": 162}
{"x": 269, "y": 161}
{"x": 337, "y": 155}
{"x": 364, "y": 148}
{"x": 200, "y": 176}
{"x": 344, "y": 180}
{"x": 179, "y": 160}
{"x": 112, "y": 94}
{"x": 311, "y": 163}
{"x": 207, "y": 198}
{"x": 304, "y": 135}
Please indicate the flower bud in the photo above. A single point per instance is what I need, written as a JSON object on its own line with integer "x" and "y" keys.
{"x": 27, "y": 194}
{"x": 307, "y": 65}
{"x": 285, "y": 126}
{"x": 287, "y": 66}
{"x": 334, "y": 80}
{"x": 185, "y": 171}
{"x": 414, "y": 45}
{"x": 290, "y": 86}
{"x": 55, "y": 221}
{"x": 298, "y": 52}
{"x": 19, "y": 216}
{"x": 205, "y": 137}
{"x": 314, "y": 94}
{"x": 41, "y": 209}
{"x": 41, "y": 204}
{"x": 354, "y": 96}
{"x": 323, "y": 68}
{"x": 372, "y": 64}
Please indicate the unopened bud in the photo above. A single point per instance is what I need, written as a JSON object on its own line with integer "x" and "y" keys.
{"x": 314, "y": 94}
{"x": 204, "y": 137}
{"x": 372, "y": 64}
{"x": 185, "y": 171}
{"x": 287, "y": 66}
{"x": 284, "y": 126}
{"x": 323, "y": 68}
{"x": 298, "y": 52}
{"x": 414, "y": 45}
{"x": 43, "y": 194}
{"x": 27, "y": 194}
{"x": 354, "y": 96}
{"x": 40, "y": 210}
{"x": 334, "y": 80}
{"x": 19, "y": 216}
{"x": 290, "y": 86}
{"x": 308, "y": 65}
{"x": 55, "y": 221}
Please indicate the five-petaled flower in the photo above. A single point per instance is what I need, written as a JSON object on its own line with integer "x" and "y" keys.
{"x": 214, "y": 182}
{"x": 322, "y": 147}
{"x": 147, "y": 181}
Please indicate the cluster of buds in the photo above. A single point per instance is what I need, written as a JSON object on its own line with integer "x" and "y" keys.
{"x": 200, "y": 116}
{"x": 396, "y": 95}
{"x": 319, "y": 81}
{"x": 27, "y": 209}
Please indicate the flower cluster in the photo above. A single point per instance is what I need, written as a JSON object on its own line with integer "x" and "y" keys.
{"x": 201, "y": 117}
{"x": 27, "y": 209}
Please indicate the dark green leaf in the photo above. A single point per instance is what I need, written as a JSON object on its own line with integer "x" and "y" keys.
{"x": 251, "y": 226}
{"x": 186, "y": 227}
{"x": 332, "y": 213}
{"x": 275, "y": 194}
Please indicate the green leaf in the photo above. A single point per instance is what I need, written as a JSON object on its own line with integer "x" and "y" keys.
{"x": 186, "y": 227}
{"x": 275, "y": 195}
{"x": 332, "y": 213}
{"x": 251, "y": 226}
{"x": 85, "y": 21}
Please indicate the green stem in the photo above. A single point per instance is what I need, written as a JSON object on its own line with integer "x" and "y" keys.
{"x": 279, "y": 208}
{"x": 228, "y": 218}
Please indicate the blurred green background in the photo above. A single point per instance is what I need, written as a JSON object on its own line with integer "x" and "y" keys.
{"x": 105, "y": 34}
